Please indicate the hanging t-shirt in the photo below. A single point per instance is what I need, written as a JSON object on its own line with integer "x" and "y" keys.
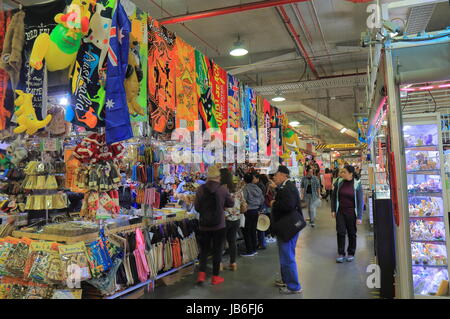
{"x": 38, "y": 19}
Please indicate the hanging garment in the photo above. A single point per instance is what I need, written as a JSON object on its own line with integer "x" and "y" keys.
{"x": 139, "y": 253}
{"x": 234, "y": 106}
{"x": 220, "y": 95}
{"x": 161, "y": 76}
{"x": 206, "y": 106}
{"x": 186, "y": 91}
{"x": 14, "y": 38}
{"x": 117, "y": 118}
{"x": 88, "y": 74}
{"x": 38, "y": 19}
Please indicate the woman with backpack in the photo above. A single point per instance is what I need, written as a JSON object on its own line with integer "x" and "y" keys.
{"x": 232, "y": 215}
{"x": 211, "y": 200}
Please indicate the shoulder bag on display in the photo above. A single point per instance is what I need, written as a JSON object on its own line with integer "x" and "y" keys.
{"x": 288, "y": 226}
{"x": 209, "y": 214}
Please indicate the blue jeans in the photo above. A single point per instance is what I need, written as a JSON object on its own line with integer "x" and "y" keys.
{"x": 289, "y": 273}
{"x": 262, "y": 239}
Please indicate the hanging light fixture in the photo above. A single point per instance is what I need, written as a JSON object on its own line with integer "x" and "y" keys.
{"x": 278, "y": 97}
{"x": 238, "y": 48}
{"x": 294, "y": 123}
{"x": 343, "y": 130}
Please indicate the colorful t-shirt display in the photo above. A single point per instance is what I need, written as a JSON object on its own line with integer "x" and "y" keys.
{"x": 161, "y": 76}
{"x": 186, "y": 88}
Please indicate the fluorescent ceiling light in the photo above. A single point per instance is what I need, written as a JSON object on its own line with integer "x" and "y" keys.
{"x": 294, "y": 123}
{"x": 343, "y": 130}
{"x": 279, "y": 99}
{"x": 238, "y": 48}
{"x": 63, "y": 101}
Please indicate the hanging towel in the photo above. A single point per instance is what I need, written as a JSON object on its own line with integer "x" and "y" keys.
{"x": 117, "y": 117}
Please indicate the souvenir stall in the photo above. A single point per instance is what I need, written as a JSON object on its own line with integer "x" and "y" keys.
{"x": 93, "y": 204}
{"x": 417, "y": 94}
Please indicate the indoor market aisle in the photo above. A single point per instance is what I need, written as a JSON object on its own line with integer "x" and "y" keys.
{"x": 320, "y": 276}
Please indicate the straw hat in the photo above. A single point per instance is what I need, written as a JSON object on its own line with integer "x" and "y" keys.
{"x": 213, "y": 172}
{"x": 263, "y": 222}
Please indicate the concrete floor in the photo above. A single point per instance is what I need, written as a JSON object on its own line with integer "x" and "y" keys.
{"x": 319, "y": 274}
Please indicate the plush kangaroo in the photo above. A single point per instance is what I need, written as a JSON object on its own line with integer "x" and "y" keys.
{"x": 26, "y": 116}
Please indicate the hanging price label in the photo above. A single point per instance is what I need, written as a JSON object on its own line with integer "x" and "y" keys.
{"x": 50, "y": 144}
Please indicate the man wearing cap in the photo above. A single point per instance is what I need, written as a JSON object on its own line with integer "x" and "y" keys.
{"x": 287, "y": 199}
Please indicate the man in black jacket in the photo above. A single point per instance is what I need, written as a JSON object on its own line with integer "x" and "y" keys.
{"x": 287, "y": 199}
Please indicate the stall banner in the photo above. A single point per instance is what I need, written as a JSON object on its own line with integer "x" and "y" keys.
{"x": 88, "y": 75}
{"x": 245, "y": 108}
{"x": 206, "y": 105}
{"x": 363, "y": 124}
{"x": 38, "y": 19}
{"x": 268, "y": 126}
{"x": 234, "y": 106}
{"x": 161, "y": 76}
{"x": 186, "y": 89}
{"x": 5, "y": 114}
{"x": 117, "y": 119}
{"x": 220, "y": 95}
{"x": 139, "y": 50}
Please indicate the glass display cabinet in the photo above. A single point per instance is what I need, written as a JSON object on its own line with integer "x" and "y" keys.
{"x": 428, "y": 218}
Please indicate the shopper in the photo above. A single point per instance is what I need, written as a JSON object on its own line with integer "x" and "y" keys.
{"x": 264, "y": 186}
{"x": 210, "y": 200}
{"x": 347, "y": 202}
{"x": 327, "y": 183}
{"x": 310, "y": 187}
{"x": 255, "y": 201}
{"x": 287, "y": 199}
{"x": 232, "y": 215}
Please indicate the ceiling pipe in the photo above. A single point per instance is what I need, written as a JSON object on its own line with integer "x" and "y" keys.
{"x": 226, "y": 10}
{"x": 195, "y": 34}
{"x": 297, "y": 40}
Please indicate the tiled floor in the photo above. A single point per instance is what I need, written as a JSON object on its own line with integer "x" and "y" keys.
{"x": 319, "y": 274}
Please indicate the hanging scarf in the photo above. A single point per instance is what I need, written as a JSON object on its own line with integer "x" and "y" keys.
{"x": 218, "y": 78}
{"x": 234, "y": 107}
{"x": 206, "y": 104}
{"x": 161, "y": 76}
{"x": 187, "y": 108}
{"x": 118, "y": 125}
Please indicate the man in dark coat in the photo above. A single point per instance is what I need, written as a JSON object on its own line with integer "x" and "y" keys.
{"x": 287, "y": 199}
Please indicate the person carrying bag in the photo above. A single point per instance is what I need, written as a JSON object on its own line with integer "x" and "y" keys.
{"x": 287, "y": 222}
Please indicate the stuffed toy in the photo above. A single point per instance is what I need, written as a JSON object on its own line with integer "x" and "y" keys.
{"x": 26, "y": 116}
{"x": 133, "y": 76}
{"x": 60, "y": 47}
{"x": 290, "y": 142}
{"x": 17, "y": 151}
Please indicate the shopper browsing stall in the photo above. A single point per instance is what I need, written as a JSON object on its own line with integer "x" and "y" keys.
{"x": 255, "y": 201}
{"x": 232, "y": 215}
{"x": 327, "y": 183}
{"x": 210, "y": 200}
{"x": 347, "y": 202}
{"x": 310, "y": 186}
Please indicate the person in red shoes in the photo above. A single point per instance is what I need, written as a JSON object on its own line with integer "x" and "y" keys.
{"x": 211, "y": 200}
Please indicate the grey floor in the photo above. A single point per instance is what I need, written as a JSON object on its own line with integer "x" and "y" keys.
{"x": 320, "y": 276}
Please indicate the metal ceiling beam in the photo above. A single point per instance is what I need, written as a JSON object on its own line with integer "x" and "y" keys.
{"x": 326, "y": 83}
{"x": 281, "y": 58}
{"x": 325, "y": 120}
{"x": 226, "y": 10}
{"x": 412, "y": 3}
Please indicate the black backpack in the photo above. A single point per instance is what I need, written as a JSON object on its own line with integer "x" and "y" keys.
{"x": 209, "y": 213}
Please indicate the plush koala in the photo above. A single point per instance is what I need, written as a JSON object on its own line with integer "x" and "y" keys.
{"x": 17, "y": 151}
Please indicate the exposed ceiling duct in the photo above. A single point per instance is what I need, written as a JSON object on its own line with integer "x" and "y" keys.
{"x": 333, "y": 82}
{"x": 418, "y": 18}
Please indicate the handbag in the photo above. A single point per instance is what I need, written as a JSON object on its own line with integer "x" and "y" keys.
{"x": 288, "y": 226}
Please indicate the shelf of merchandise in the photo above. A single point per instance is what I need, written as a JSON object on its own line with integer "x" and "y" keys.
{"x": 148, "y": 282}
{"x": 428, "y": 125}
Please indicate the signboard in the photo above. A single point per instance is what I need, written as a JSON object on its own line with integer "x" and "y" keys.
{"x": 337, "y": 146}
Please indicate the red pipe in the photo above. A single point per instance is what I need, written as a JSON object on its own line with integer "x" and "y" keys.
{"x": 227, "y": 10}
{"x": 297, "y": 40}
{"x": 195, "y": 34}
